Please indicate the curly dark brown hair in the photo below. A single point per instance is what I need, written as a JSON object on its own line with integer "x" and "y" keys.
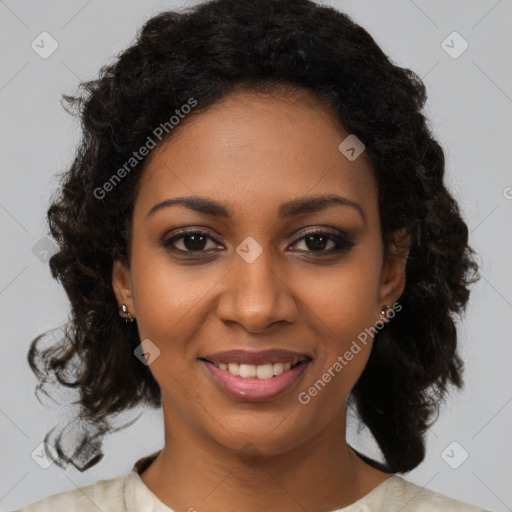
{"x": 205, "y": 53}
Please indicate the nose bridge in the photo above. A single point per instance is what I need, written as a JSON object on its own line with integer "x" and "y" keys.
{"x": 255, "y": 294}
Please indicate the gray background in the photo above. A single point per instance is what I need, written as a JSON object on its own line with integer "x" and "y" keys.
{"x": 470, "y": 102}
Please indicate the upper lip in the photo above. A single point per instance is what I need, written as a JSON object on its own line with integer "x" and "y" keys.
{"x": 244, "y": 356}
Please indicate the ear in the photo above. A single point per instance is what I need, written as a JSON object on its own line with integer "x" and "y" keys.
{"x": 392, "y": 281}
{"x": 122, "y": 285}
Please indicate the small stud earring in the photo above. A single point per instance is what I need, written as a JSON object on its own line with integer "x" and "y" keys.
{"x": 384, "y": 311}
{"x": 123, "y": 311}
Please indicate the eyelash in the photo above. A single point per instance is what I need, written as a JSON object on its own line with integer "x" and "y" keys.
{"x": 343, "y": 243}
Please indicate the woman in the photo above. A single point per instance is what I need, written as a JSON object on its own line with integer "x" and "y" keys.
{"x": 254, "y": 234}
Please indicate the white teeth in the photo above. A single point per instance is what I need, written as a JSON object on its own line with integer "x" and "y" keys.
{"x": 261, "y": 371}
{"x": 264, "y": 371}
{"x": 247, "y": 371}
{"x": 278, "y": 368}
{"x": 234, "y": 368}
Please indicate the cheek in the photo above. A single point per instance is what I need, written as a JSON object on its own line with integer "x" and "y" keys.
{"x": 164, "y": 293}
{"x": 344, "y": 298}
{"x": 158, "y": 297}
{"x": 343, "y": 302}
{"x": 165, "y": 302}
{"x": 344, "y": 341}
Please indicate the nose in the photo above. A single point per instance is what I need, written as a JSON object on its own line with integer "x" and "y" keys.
{"x": 256, "y": 296}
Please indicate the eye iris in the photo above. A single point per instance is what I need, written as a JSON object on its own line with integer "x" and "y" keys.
{"x": 316, "y": 241}
{"x": 194, "y": 241}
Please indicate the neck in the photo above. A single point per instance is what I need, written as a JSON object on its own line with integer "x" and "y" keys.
{"x": 193, "y": 472}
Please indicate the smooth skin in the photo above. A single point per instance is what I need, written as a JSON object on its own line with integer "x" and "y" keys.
{"x": 251, "y": 153}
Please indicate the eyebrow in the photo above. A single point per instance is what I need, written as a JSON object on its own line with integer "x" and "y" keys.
{"x": 212, "y": 208}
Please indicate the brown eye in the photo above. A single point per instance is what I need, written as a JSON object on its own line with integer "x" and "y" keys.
{"x": 318, "y": 240}
{"x": 191, "y": 241}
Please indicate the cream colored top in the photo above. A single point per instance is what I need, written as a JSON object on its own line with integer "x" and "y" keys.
{"x": 128, "y": 493}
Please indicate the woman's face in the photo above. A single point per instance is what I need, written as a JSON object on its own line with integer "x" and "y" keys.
{"x": 262, "y": 173}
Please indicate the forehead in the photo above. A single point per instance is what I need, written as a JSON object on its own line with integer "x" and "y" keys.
{"x": 253, "y": 149}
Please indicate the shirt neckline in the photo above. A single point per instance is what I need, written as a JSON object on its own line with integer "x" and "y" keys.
{"x": 137, "y": 494}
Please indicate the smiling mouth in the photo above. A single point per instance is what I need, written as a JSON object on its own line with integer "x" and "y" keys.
{"x": 259, "y": 371}
{"x": 257, "y": 382}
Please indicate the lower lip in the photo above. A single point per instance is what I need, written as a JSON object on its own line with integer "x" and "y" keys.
{"x": 256, "y": 390}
